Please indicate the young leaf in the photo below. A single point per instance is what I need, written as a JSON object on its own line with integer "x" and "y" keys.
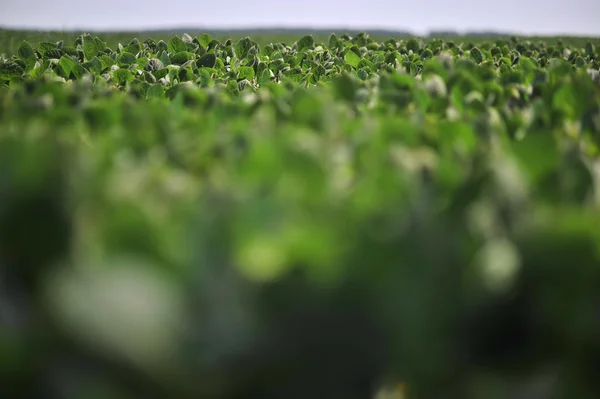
{"x": 413, "y": 45}
{"x": 242, "y": 47}
{"x": 95, "y": 66}
{"x": 122, "y": 76}
{"x": 333, "y": 41}
{"x": 39, "y": 70}
{"x": 66, "y": 65}
{"x": 27, "y": 55}
{"x": 165, "y": 59}
{"x": 100, "y": 45}
{"x": 141, "y": 62}
{"x": 126, "y": 59}
{"x": 307, "y": 42}
{"x": 90, "y": 47}
{"x": 161, "y": 46}
{"x": 154, "y": 64}
{"x": 204, "y": 40}
{"x": 132, "y": 49}
{"x": 78, "y": 70}
{"x": 176, "y": 45}
{"x": 204, "y": 80}
{"x": 161, "y": 73}
{"x": 107, "y": 61}
{"x": 352, "y": 58}
{"x": 265, "y": 77}
{"x": 362, "y": 74}
{"x": 245, "y": 73}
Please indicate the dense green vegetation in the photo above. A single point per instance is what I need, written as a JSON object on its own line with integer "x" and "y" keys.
{"x": 193, "y": 217}
{"x": 11, "y": 39}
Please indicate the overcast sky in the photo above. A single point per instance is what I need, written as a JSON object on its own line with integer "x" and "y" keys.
{"x": 575, "y": 17}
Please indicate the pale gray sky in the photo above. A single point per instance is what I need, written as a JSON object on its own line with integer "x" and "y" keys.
{"x": 575, "y": 17}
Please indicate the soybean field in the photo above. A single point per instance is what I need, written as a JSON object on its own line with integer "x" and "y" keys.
{"x": 312, "y": 216}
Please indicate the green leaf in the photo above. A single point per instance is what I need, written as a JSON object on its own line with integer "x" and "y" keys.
{"x": 352, "y": 58}
{"x": 161, "y": 73}
{"x": 233, "y": 88}
{"x": 362, "y": 74}
{"x": 307, "y": 42}
{"x": 204, "y": 80}
{"x": 333, "y": 41}
{"x": 345, "y": 87}
{"x": 95, "y": 66}
{"x": 206, "y": 61}
{"x": 242, "y": 47}
{"x": 90, "y": 47}
{"x": 185, "y": 75}
{"x": 476, "y": 55}
{"x": 413, "y": 45}
{"x": 107, "y": 61}
{"x": 133, "y": 49}
{"x": 265, "y": 77}
{"x": 43, "y": 47}
{"x": 176, "y": 45}
{"x": 165, "y": 59}
{"x": 149, "y": 77}
{"x": 53, "y": 54}
{"x": 161, "y": 46}
{"x": 10, "y": 70}
{"x": 122, "y": 76}
{"x": 181, "y": 58}
{"x": 70, "y": 50}
{"x": 204, "y": 40}
{"x": 154, "y": 64}
{"x": 126, "y": 59}
{"x": 173, "y": 73}
{"x": 39, "y": 70}
{"x": 155, "y": 91}
{"x": 27, "y": 55}
{"x": 245, "y": 73}
{"x": 180, "y": 88}
{"x": 78, "y": 71}
{"x": 100, "y": 45}
{"x": 141, "y": 62}
{"x": 213, "y": 43}
{"x": 66, "y": 65}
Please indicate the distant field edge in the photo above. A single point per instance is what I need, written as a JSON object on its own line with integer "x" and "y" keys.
{"x": 250, "y": 31}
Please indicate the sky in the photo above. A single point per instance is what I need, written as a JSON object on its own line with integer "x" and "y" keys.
{"x": 545, "y": 17}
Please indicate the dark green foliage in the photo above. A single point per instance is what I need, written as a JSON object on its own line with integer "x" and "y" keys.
{"x": 207, "y": 60}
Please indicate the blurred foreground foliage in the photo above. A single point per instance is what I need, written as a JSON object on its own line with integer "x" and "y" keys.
{"x": 433, "y": 223}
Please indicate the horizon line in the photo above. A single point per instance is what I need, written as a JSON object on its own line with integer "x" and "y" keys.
{"x": 298, "y": 29}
